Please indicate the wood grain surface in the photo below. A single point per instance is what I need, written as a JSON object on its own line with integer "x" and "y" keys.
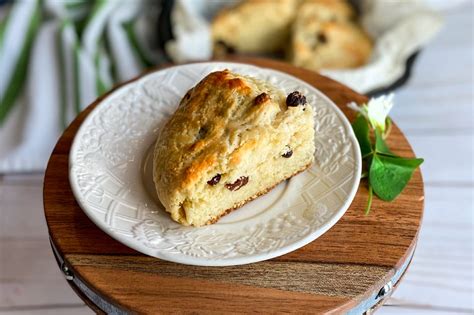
{"x": 347, "y": 264}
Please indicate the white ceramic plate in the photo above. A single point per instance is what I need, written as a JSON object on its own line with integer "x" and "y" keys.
{"x": 110, "y": 175}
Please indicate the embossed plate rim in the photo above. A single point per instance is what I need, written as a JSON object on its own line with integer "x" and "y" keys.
{"x": 134, "y": 244}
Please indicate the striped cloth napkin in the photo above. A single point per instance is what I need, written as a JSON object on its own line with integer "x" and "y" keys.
{"x": 56, "y": 57}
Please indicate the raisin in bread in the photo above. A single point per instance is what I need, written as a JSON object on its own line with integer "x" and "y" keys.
{"x": 232, "y": 139}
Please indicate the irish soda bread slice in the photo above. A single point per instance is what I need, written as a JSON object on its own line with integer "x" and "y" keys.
{"x": 232, "y": 139}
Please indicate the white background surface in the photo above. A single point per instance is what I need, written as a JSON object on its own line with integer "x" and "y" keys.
{"x": 435, "y": 110}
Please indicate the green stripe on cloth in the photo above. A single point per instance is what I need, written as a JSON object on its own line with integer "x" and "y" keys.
{"x": 98, "y": 5}
{"x": 113, "y": 67}
{"x": 101, "y": 87}
{"x": 77, "y": 89}
{"x": 135, "y": 44}
{"x": 71, "y": 5}
{"x": 17, "y": 80}
{"x": 77, "y": 10}
{"x": 3, "y": 26}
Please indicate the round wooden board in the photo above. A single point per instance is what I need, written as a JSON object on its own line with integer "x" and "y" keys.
{"x": 341, "y": 271}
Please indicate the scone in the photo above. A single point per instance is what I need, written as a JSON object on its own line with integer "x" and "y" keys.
{"x": 253, "y": 26}
{"x": 232, "y": 139}
{"x": 325, "y": 10}
{"x": 324, "y": 36}
{"x": 314, "y": 34}
{"x": 329, "y": 45}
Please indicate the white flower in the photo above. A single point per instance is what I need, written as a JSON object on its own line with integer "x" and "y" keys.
{"x": 376, "y": 110}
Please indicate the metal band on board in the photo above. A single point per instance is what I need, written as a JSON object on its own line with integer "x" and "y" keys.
{"x": 85, "y": 291}
{"x": 365, "y": 307}
{"x": 377, "y": 298}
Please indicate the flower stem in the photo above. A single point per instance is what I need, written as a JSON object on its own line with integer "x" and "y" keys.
{"x": 369, "y": 201}
{"x": 388, "y": 128}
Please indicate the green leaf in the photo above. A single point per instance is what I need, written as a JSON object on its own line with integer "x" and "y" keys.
{"x": 361, "y": 130}
{"x": 381, "y": 145}
{"x": 389, "y": 175}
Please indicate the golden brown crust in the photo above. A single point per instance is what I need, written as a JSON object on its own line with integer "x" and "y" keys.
{"x": 326, "y": 37}
{"x": 253, "y": 26}
{"x": 202, "y": 154}
{"x": 334, "y": 45}
{"x": 326, "y": 10}
{"x": 261, "y": 193}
